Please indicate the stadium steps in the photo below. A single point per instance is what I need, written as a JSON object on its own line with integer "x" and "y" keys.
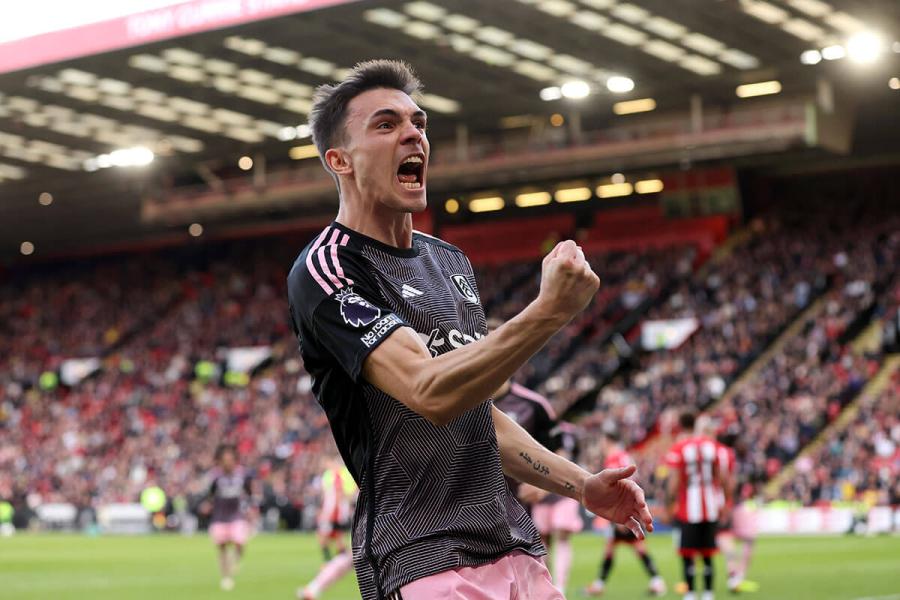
{"x": 661, "y": 441}
{"x": 726, "y": 248}
{"x": 869, "y": 341}
{"x": 774, "y": 348}
{"x": 875, "y": 386}
{"x": 633, "y": 318}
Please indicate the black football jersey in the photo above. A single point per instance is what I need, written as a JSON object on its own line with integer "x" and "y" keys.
{"x": 431, "y": 498}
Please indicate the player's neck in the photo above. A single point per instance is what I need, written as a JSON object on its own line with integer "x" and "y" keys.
{"x": 373, "y": 220}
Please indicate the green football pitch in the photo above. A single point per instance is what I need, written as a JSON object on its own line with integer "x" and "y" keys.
{"x": 169, "y": 567}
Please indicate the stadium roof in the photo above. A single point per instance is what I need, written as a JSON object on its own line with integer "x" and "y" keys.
{"x": 202, "y": 100}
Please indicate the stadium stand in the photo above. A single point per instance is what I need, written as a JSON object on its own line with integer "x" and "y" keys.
{"x": 858, "y": 456}
{"x": 858, "y": 462}
{"x": 152, "y": 412}
{"x": 149, "y": 414}
{"x": 801, "y": 387}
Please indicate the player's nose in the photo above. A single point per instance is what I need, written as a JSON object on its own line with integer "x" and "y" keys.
{"x": 412, "y": 134}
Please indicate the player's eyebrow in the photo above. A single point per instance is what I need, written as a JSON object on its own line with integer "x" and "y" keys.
{"x": 393, "y": 113}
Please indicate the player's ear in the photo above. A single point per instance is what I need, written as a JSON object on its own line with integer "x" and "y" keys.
{"x": 338, "y": 161}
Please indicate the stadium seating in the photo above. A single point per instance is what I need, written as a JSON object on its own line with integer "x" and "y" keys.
{"x": 860, "y": 458}
{"x": 742, "y": 302}
{"x": 801, "y": 388}
{"x": 151, "y": 413}
{"x": 146, "y": 415}
{"x": 859, "y": 461}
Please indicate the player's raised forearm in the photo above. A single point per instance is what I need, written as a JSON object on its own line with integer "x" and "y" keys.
{"x": 457, "y": 381}
{"x": 527, "y": 461}
{"x": 444, "y": 387}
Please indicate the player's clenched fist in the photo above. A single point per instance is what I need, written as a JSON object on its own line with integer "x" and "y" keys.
{"x": 567, "y": 281}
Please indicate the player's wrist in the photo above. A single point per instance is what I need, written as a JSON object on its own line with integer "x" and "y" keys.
{"x": 578, "y": 485}
{"x": 543, "y": 313}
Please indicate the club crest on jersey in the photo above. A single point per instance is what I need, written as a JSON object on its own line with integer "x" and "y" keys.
{"x": 463, "y": 287}
{"x": 355, "y": 310}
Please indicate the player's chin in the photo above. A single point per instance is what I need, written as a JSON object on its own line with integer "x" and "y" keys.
{"x": 411, "y": 199}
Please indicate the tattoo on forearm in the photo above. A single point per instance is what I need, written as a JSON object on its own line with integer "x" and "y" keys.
{"x": 569, "y": 486}
{"x": 535, "y": 464}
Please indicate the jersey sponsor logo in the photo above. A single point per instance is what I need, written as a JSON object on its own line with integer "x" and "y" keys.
{"x": 380, "y": 329}
{"x": 408, "y": 291}
{"x": 356, "y": 310}
{"x": 437, "y": 341}
{"x": 463, "y": 287}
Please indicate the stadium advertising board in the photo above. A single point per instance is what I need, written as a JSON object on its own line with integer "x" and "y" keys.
{"x": 667, "y": 334}
{"x": 192, "y": 16}
{"x": 74, "y": 370}
{"x": 246, "y": 360}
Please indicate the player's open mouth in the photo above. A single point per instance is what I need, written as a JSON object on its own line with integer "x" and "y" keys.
{"x": 410, "y": 172}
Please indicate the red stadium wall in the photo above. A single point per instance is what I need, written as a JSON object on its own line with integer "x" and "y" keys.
{"x": 646, "y": 227}
{"x": 497, "y": 242}
{"x": 637, "y": 228}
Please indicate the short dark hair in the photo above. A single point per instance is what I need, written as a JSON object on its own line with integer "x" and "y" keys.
{"x": 223, "y": 448}
{"x": 687, "y": 420}
{"x": 326, "y": 119}
{"x": 728, "y": 438}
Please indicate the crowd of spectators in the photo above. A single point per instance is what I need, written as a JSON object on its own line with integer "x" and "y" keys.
{"x": 149, "y": 415}
{"x": 742, "y": 302}
{"x": 628, "y": 279}
{"x": 862, "y": 460}
{"x": 805, "y": 385}
{"x": 859, "y": 462}
{"x": 77, "y": 309}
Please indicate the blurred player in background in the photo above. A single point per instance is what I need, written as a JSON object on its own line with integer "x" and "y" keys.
{"x": 739, "y": 526}
{"x": 695, "y": 490}
{"x": 231, "y": 497}
{"x": 558, "y": 517}
{"x": 554, "y": 518}
{"x": 615, "y": 457}
{"x": 7, "y": 512}
{"x": 338, "y": 493}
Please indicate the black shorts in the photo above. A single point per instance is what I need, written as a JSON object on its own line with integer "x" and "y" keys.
{"x": 334, "y": 528}
{"x": 698, "y": 538}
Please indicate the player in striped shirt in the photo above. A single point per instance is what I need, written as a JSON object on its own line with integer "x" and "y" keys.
{"x": 615, "y": 457}
{"x": 338, "y": 495}
{"x": 556, "y": 517}
{"x": 695, "y": 490}
{"x": 338, "y": 492}
{"x": 392, "y": 331}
